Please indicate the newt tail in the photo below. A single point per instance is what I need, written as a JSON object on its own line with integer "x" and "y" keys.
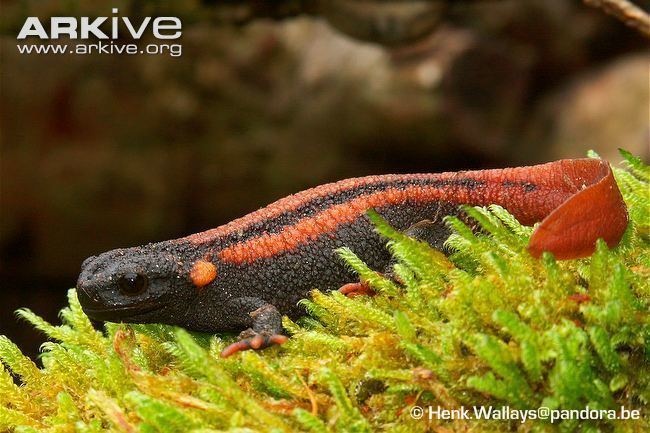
{"x": 248, "y": 273}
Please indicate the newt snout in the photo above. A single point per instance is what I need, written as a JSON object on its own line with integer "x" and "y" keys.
{"x": 129, "y": 284}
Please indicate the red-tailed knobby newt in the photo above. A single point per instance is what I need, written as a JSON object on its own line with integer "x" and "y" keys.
{"x": 246, "y": 274}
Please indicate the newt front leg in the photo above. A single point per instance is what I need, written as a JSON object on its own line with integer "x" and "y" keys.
{"x": 265, "y": 326}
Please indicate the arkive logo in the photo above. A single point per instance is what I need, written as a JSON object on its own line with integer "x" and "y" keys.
{"x": 84, "y": 27}
{"x": 108, "y": 35}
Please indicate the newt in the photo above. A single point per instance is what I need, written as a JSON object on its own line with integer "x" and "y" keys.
{"x": 246, "y": 274}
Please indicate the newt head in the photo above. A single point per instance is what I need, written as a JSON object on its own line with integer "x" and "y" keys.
{"x": 137, "y": 285}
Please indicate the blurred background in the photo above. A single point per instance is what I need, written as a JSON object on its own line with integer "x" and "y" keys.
{"x": 268, "y": 98}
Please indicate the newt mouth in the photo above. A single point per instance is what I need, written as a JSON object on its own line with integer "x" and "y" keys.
{"x": 120, "y": 314}
{"x": 96, "y": 311}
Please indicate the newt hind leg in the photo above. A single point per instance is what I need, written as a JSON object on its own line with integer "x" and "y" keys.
{"x": 356, "y": 289}
{"x": 435, "y": 233}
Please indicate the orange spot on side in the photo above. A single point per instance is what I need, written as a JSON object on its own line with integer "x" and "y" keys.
{"x": 203, "y": 273}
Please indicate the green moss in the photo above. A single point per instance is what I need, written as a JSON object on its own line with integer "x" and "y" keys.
{"x": 488, "y": 325}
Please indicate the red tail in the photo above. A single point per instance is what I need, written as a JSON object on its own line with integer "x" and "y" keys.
{"x": 596, "y": 211}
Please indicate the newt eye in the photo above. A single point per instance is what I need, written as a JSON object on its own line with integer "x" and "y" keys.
{"x": 132, "y": 283}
